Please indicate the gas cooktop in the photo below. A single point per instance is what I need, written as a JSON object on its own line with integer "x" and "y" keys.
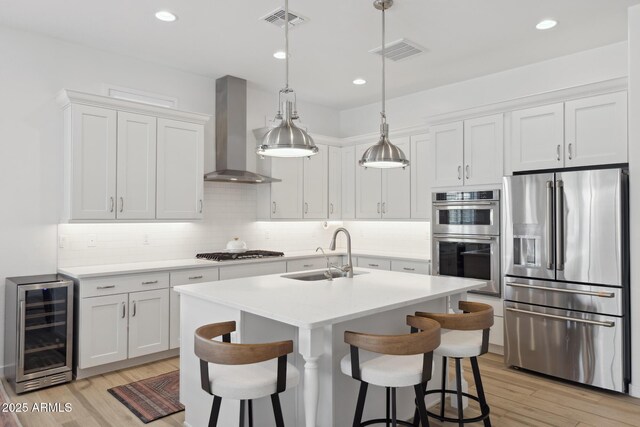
{"x": 228, "y": 256}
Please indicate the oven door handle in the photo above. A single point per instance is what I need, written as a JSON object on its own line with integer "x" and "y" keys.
{"x": 565, "y": 291}
{"x": 466, "y": 237}
{"x": 569, "y": 319}
{"x": 454, "y": 203}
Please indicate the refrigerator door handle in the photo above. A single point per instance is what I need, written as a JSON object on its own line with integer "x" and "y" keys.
{"x": 561, "y": 224}
{"x": 549, "y": 228}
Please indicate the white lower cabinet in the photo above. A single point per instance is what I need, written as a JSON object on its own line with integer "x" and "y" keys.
{"x": 174, "y": 319}
{"x": 248, "y": 270}
{"x": 416, "y": 267}
{"x": 374, "y": 263}
{"x": 103, "y": 330}
{"x": 496, "y": 336}
{"x": 148, "y": 326}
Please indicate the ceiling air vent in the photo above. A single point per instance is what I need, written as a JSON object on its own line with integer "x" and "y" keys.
{"x": 276, "y": 17}
{"x": 399, "y": 50}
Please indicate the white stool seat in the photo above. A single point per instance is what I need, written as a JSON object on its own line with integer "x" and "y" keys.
{"x": 386, "y": 370}
{"x": 460, "y": 344}
{"x": 243, "y": 382}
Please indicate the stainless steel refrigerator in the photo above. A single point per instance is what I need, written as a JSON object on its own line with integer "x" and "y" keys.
{"x": 567, "y": 275}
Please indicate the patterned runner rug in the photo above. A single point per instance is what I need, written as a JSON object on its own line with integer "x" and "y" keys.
{"x": 152, "y": 398}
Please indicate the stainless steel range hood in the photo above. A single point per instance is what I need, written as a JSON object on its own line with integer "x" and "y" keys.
{"x": 231, "y": 134}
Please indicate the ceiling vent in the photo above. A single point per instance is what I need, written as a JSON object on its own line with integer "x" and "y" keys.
{"x": 399, "y": 50}
{"x": 276, "y": 17}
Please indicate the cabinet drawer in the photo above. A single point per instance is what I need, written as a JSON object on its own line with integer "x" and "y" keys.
{"x": 312, "y": 263}
{"x": 410, "y": 267}
{"x": 194, "y": 275}
{"x": 110, "y": 285}
{"x": 496, "y": 336}
{"x": 249, "y": 270}
{"x": 375, "y": 263}
{"x": 496, "y": 303}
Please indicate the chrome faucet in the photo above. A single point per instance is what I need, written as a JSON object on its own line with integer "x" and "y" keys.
{"x": 349, "y": 267}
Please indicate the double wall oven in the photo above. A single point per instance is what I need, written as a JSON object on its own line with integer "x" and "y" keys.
{"x": 465, "y": 232}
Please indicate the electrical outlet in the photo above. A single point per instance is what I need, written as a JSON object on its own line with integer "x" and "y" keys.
{"x": 267, "y": 235}
{"x": 145, "y": 239}
{"x": 91, "y": 240}
{"x": 62, "y": 241}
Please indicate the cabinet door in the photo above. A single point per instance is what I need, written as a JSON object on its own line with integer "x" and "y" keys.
{"x": 148, "y": 325}
{"x": 349, "y": 182}
{"x": 136, "y": 183}
{"x": 316, "y": 184}
{"x": 368, "y": 188}
{"x": 174, "y": 319}
{"x": 596, "y": 130}
{"x": 335, "y": 182}
{"x": 420, "y": 177}
{"x": 102, "y": 323}
{"x": 92, "y": 162}
{"x": 447, "y": 154}
{"x": 180, "y": 170}
{"x": 537, "y": 138}
{"x": 396, "y": 186}
{"x": 286, "y": 196}
{"x": 483, "y": 146}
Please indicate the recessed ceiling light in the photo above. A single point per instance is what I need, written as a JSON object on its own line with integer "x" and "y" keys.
{"x": 281, "y": 54}
{"x": 359, "y": 81}
{"x": 546, "y": 24}
{"x": 166, "y": 16}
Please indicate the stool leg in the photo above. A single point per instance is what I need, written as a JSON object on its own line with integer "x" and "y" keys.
{"x": 422, "y": 409}
{"x": 484, "y": 408}
{"x": 388, "y": 406}
{"x": 242, "y": 413}
{"x": 277, "y": 410}
{"x": 215, "y": 410}
{"x": 394, "y": 419}
{"x": 250, "y": 413}
{"x": 444, "y": 385}
{"x": 459, "y": 390}
{"x": 357, "y": 419}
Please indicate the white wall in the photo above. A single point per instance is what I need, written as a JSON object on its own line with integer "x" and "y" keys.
{"x": 590, "y": 66}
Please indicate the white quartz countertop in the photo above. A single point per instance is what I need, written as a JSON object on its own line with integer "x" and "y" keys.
{"x": 319, "y": 303}
{"x": 83, "y": 272}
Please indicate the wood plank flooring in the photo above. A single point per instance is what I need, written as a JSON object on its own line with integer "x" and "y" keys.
{"x": 516, "y": 398}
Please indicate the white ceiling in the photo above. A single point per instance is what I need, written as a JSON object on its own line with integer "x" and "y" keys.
{"x": 464, "y": 38}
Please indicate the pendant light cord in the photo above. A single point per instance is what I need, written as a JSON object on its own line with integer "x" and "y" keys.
{"x": 286, "y": 43}
{"x": 383, "y": 114}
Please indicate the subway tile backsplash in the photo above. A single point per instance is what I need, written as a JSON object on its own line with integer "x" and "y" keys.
{"x": 230, "y": 211}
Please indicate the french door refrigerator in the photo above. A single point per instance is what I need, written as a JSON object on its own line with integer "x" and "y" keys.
{"x": 567, "y": 275}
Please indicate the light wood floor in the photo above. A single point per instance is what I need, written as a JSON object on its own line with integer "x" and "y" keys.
{"x": 516, "y": 398}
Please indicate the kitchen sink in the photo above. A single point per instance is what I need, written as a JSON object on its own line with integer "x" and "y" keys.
{"x": 312, "y": 276}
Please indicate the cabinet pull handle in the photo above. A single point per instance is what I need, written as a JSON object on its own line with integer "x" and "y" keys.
{"x": 134, "y": 309}
{"x": 201, "y": 205}
{"x": 274, "y": 208}
{"x": 121, "y": 204}
{"x": 306, "y": 207}
{"x": 378, "y": 207}
{"x": 152, "y": 282}
{"x": 467, "y": 171}
{"x": 307, "y": 265}
{"x": 195, "y": 277}
{"x": 330, "y": 207}
{"x": 558, "y": 152}
{"x": 124, "y": 310}
{"x": 374, "y": 265}
{"x": 106, "y": 287}
{"x": 111, "y": 209}
{"x": 384, "y": 207}
{"x": 570, "y": 151}
{"x": 408, "y": 269}
{"x": 459, "y": 173}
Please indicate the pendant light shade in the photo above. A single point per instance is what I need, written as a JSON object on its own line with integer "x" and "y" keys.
{"x": 383, "y": 154}
{"x": 287, "y": 139}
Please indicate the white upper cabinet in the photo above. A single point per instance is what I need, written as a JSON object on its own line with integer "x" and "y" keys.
{"x": 483, "y": 146}
{"x": 348, "y": 182}
{"x": 396, "y": 186}
{"x": 368, "y": 187}
{"x": 537, "y": 138}
{"x": 335, "y": 182}
{"x": 180, "y": 170}
{"x": 420, "y": 177}
{"x": 316, "y": 184}
{"x": 447, "y": 154}
{"x": 286, "y": 196}
{"x": 90, "y": 134}
{"x": 596, "y": 130}
{"x": 136, "y": 167}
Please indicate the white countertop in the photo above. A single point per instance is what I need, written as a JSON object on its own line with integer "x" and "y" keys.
{"x": 84, "y": 272}
{"x": 314, "y": 304}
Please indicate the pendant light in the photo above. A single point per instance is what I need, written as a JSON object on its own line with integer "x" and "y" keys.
{"x": 383, "y": 154}
{"x": 287, "y": 139}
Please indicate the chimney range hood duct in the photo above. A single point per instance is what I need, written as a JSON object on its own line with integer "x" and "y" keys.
{"x": 231, "y": 134}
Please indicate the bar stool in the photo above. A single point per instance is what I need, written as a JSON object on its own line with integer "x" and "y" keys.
{"x": 405, "y": 360}
{"x": 468, "y": 336}
{"x": 243, "y": 371}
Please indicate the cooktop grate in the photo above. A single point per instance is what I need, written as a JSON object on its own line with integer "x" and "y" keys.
{"x": 228, "y": 256}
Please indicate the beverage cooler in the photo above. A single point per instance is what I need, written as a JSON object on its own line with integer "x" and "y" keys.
{"x": 38, "y": 331}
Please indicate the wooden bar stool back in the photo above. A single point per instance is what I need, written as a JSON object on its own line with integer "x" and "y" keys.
{"x": 243, "y": 371}
{"x": 393, "y": 368}
{"x": 467, "y": 336}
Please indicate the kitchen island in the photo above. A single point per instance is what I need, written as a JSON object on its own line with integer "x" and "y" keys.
{"x": 314, "y": 314}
